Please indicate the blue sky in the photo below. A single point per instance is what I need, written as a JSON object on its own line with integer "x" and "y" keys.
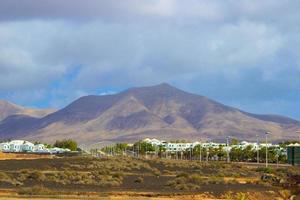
{"x": 241, "y": 53}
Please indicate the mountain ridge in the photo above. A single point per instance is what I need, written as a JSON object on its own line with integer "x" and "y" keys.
{"x": 8, "y": 109}
{"x": 161, "y": 111}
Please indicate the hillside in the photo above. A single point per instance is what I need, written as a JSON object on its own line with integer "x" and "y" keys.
{"x": 8, "y": 109}
{"x": 160, "y": 111}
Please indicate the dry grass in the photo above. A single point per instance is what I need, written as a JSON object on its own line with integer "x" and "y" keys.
{"x": 23, "y": 156}
{"x": 87, "y": 174}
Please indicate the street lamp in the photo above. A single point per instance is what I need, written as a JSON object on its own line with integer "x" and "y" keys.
{"x": 207, "y": 153}
{"x": 267, "y": 133}
{"x": 146, "y": 150}
{"x": 277, "y": 158}
{"x": 190, "y": 152}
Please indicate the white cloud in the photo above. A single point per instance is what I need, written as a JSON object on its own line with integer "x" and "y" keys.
{"x": 139, "y": 52}
{"x": 157, "y": 7}
{"x": 135, "y": 42}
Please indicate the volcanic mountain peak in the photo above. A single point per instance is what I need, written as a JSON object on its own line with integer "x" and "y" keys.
{"x": 160, "y": 111}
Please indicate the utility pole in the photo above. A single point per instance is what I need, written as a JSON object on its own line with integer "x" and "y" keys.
{"x": 257, "y": 149}
{"x": 227, "y": 140}
{"x": 190, "y": 153}
{"x": 267, "y": 148}
{"x": 138, "y": 149}
{"x": 200, "y": 156}
{"x": 207, "y": 154}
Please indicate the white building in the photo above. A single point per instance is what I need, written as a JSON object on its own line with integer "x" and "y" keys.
{"x": 17, "y": 146}
{"x": 4, "y": 146}
{"x": 153, "y": 142}
{"x": 171, "y": 146}
{"x": 25, "y": 146}
{"x": 212, "y": 145}
{"x": 57, "y": 150}
{"x": 175, "y": 147}
{"x": 40, "y": 148}
{"x": 183, "y": 146}
{"x": 245, "y": 144}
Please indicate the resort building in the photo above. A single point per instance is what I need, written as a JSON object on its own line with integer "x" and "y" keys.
{"x": 183, "y": 146}
{"x": 24, "y": 146}
{"x": 17, "y": 146}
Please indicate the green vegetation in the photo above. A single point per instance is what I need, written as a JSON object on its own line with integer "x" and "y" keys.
{"x": 267, "y": 170}
{"x": 67, "y": 144}
{"x": 236, "y": 154}
{"x": 238, "y": 196}
{"x": 36, "y": 190}
{"x": 234, "y": 141}
{"x": 143, "y": 147}
{"x": 139, "y": 180}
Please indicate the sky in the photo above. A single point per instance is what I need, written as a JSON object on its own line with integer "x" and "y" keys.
{"x": 242, "y": 53}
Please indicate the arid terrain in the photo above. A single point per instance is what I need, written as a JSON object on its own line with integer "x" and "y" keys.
{"x": 131, "y": 178}
{"x": 22, "y": 156}
{"x": 9, "y": 109}
{"x": 160, "y": 111}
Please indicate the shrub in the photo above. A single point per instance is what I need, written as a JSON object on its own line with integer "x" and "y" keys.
{"x": 118, "y": 176}
{"x": 4, "y": 176}
{"x": 216, "y": 180}
{"x": 238, "y": 196}
{"x": 139, "y": 180}
{"x": 156, "y": 172}
{"x": 185, "y": 175}
{"x": 35, "y": 190}
{"x": 36, "y": 175}
{"x": 195, "y": 178}
{"x": 181, "y": 187}
{"x": 266, "y": 170}
{"x": 8, "y": 179}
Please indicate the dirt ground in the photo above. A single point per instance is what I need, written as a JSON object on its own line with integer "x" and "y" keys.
{"x": 140, "y": 179}
{"x": 22, "y": 156}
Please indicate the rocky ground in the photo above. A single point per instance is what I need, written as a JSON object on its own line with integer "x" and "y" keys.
{"x": 131, "y": 178}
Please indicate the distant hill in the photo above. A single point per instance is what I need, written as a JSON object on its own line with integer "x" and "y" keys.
{"x": 160, "y": 111}
{"x": 8, "y": 109}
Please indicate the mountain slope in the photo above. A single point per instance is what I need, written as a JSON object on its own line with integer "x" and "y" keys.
{"x": 8, "y": 109}
{"x": 160, "y": 111}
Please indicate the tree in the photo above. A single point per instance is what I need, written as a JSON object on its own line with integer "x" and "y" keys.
{"x": 234, "y": 141}
{"x": 121, "y": 147}
{"x": 144, "y": 147}
{"x": 236, "y": 154}
{"x": 161, "y": 150}
{"x": 66, "y": 144}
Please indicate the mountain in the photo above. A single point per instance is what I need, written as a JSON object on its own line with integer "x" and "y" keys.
{"x": 160, "y": 111}
{"x": 8, "y": 109}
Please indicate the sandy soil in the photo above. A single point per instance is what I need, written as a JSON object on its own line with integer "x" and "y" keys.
{"x": 21, "y": 156}
{"x": 198, "y": 197}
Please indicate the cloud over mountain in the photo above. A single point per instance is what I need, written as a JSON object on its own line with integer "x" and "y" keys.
{"x": 57, "y": 49}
